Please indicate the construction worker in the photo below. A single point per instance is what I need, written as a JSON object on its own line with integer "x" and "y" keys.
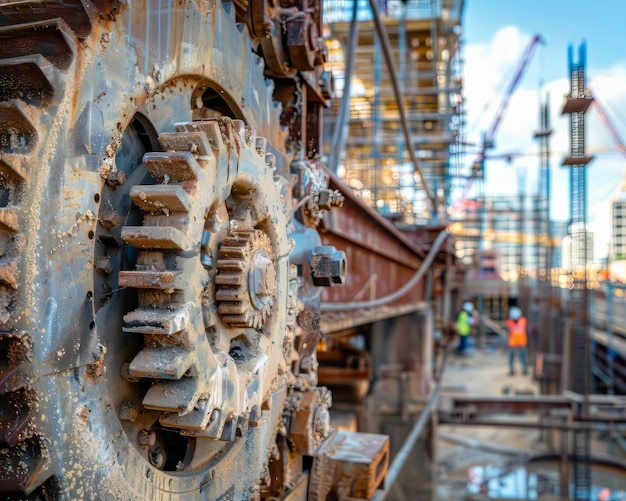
{"x": 464, "y": 321}
{"x": 517, "y": 338}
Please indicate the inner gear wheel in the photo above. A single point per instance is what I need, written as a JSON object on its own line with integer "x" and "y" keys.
{"x": 246, "y": 279}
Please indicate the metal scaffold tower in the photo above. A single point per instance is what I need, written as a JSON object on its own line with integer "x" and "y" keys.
{"x": 576, "y": 105}
{"x": 544, "y": 234}
{"x": 403, "y": 125}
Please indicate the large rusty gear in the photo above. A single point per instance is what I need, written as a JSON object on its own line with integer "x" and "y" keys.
{"x": 129, "y": 164}
{"x": 113, "y": 360}
{"x": 246, "y": 279}
{"x": 199, "y": 386}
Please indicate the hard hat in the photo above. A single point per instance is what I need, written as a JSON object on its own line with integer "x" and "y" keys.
{"x": 468, "y": 306}
{"x": 515, "y": 313}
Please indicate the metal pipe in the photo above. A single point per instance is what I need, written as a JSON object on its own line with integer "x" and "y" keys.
{"x": 441, "y": 238}
{"x": 386, "y": 46}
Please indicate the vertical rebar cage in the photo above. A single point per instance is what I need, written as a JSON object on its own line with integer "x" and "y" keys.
{"x": 576, "y": 105}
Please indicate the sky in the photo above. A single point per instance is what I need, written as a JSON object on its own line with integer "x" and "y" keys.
{"x": 495, "y": 35}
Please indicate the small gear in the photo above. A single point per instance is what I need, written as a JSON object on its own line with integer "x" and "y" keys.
{"x": 246, "y": 279}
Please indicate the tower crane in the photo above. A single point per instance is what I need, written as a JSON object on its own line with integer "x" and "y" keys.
{"x": 478, "y": 166}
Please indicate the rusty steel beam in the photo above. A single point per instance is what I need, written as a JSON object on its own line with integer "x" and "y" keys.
{"x": 546, "y": 424}
{"x": 381, "y": 259}
{"x": 471, "y": 410}
{"x": 487, "y": 405}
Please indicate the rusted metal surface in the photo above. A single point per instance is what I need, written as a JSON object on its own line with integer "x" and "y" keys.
{"x": 381, "y": 259}
{"x": 165, "y": 231}
{"x": 349, "y": 465}
{"x": 466, "y": 409}
{"x": 154, "y": 329}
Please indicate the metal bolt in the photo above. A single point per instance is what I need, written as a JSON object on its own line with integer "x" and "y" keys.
{"x": 110, "y": 219}
{"x": 157, "y": 457}
{"x": 236, "y": 353}
{"x": 104, "y": 266}
{"x": 328, "y": 266}
{"x": 146, "y": 438}
{"x": 129, "y": 412}
{"x": 115, "y": 179}
{"x": 321, "y": 422}
{"x": 207, "y": 260}
{"x": 329, "y": 198}
{"x": 264, "y": 275}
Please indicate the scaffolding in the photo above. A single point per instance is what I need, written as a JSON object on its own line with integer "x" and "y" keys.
{"x": 424, "y": 35}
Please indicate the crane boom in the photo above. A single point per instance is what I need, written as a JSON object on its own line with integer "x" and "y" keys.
{"x": 619, "y": 142}
{"x": 491, "y": 132}
{"x": 488, "y": 138}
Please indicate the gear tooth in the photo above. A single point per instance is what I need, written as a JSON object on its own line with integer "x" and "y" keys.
{"x": 194, "y": 142}
{"x": 161, "y": 198}
{"x": 162, "y": 280}
{"x": 233, "y": 301}
{"x": 27, "y": 466}
{"x": 17, "y": 409}
{"x": 71, "y": 11}
{"x": 155, "y": 237}
{"x": 173, "y": 396}
{"x": 213, "y": 429}
{"x": 244, "y": 320}
{"x": 8, "y": 219}
{"x": 164, "y": 362}
{"x": 197, "y": 419}
{"x": 232, "y": 253}
{"x": 18, "y": 133}
{"x": 12, "y": 378}
{"x": 261, "y": 146}
{"x": 213, "y": 132}
{"x": 31, "y": 79}
{"x": 232, "y": 279}
{"x": 8, "y": 274}
{"x": 157, "y": 321}
{"x": 51, "y": 38}
{"x": 173, "y": 165}
{"x": 228, "y": 265}
{"x": 13, "y": 166}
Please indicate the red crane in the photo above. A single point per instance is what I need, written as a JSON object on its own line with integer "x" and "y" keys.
{"x": 619, "y": 142}
{"x": 488, "y": 139}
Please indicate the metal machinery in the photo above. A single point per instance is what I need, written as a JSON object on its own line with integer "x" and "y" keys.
{"x": 165, "y": 229}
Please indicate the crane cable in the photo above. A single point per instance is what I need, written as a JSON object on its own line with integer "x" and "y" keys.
{"x": 399, "y": 292}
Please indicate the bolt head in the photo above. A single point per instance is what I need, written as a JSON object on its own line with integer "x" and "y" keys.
{"x": 129, "y": 412}
{"x": 328, "y": 266}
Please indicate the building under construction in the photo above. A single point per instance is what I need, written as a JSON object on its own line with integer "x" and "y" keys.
{"x": 506, "y": 250}
{"x": 229, "y": 266}
{"x": 427, "y": 72}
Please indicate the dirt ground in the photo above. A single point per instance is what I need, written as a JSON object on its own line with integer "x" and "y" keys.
{"x": 486, "y": 373}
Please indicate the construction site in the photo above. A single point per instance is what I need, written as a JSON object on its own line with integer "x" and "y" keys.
{"x": 249, "y": 251}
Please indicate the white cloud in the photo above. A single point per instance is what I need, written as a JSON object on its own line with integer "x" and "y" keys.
{"x": 489, "y": 70}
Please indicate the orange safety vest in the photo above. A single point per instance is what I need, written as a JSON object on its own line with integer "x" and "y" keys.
{"x": 517, "y": 330}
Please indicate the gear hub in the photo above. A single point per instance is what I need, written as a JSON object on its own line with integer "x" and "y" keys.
{"x": 246, "y": 279}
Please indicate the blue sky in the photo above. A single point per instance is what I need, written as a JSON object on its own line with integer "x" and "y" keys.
{"x": 495, "y": 34}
